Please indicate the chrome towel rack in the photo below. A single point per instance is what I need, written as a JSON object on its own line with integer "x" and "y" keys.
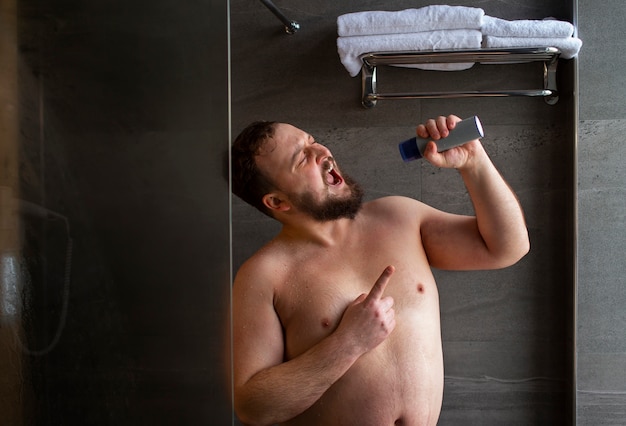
{"x": 548, "y": 55}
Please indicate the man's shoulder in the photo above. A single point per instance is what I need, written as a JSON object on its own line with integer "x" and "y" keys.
{"x": 392, "y": 204}
{"x": 263, "y": 264}
{"x": 395, "y": 211}
{"x": 263, "y": 257}
{"x": 390, "y": 199}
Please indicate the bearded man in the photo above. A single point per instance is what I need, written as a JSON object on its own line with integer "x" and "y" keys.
{"x": 336, "y": 319}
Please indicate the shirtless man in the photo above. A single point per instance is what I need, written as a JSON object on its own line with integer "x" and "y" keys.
{"x": 336, "y": 320}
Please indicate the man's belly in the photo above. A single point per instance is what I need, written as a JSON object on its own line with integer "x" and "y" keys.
{"x": 398, "y": 383}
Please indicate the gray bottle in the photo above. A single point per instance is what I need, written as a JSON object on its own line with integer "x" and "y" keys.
{"x": 464, "y": 131}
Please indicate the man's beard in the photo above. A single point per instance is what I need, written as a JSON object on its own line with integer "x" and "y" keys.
{"x": 332, "y": 208}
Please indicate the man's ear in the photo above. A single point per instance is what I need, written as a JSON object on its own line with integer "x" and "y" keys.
{"x": 275, "y": 202}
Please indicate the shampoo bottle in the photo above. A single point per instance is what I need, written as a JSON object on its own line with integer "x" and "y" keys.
{"x": 464, "y": 131}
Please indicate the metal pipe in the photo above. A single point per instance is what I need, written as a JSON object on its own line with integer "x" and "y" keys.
{"x": 290, "y": 26}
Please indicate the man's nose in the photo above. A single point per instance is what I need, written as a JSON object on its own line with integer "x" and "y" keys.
{"x": 321, "y": 152}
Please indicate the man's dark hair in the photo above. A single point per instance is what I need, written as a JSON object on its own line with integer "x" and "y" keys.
{"x": 248, "y": 183}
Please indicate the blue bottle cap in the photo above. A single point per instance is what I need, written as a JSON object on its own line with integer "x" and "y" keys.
{"x": 409, "y": 150}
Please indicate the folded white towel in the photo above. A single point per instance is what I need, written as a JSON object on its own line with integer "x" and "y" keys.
{"x": 526, "y": 28}
{"x": 429, "y": 18}
{"x": 350, "y": 48}
{"x": 569, "y": 46}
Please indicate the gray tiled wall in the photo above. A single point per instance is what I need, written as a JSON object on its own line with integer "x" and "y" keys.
{"x": 601, "y": 321}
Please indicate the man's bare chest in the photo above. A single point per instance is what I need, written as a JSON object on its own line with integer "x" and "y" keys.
{"x": 311, "y": 300}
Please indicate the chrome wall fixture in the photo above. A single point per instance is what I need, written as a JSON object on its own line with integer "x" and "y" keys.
{"x": 548, "y": 55}
{"x": 291, "y": 27}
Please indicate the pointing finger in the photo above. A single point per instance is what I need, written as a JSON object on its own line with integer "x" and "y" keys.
{"x": 381, "y": 283}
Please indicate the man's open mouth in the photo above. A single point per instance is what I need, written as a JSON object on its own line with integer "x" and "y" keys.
{"x": 332, "y": 177}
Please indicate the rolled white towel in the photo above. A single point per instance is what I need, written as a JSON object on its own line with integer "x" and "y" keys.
{"x": 548, "y": 28}
{"x": 429, "y": 18}
{"x": 569, "y": 46}
{"x": 351, "y": 48}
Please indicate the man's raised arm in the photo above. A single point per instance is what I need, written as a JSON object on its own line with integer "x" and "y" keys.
{"x": 497, "y": 237}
